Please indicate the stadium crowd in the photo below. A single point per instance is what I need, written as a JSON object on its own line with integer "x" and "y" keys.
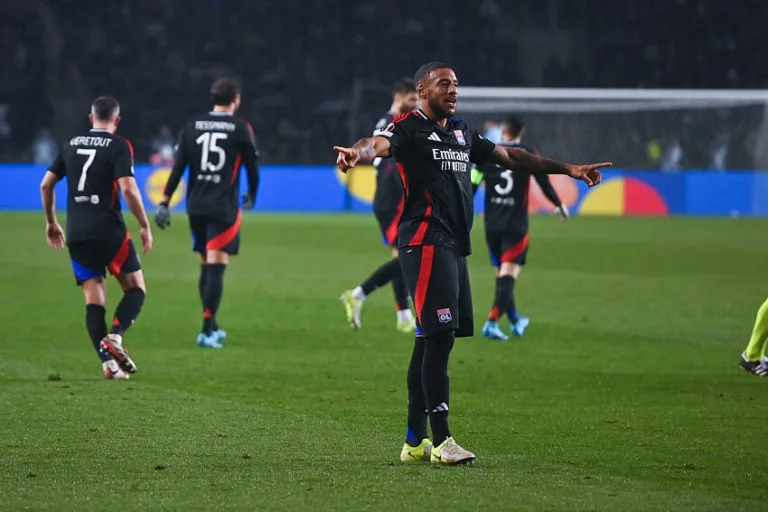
{"x": 301, "y": 61}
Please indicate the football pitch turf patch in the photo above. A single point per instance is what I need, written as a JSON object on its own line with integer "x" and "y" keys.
{"x": 625, "y": 393}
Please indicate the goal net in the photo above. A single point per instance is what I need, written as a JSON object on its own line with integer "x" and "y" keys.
{"x": 663, "y": 129}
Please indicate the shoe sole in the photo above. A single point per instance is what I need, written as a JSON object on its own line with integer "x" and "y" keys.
{"x": 203, "y": 345}
{"x": 465, "y": 462}
{"x": 494, "y": 338}
{"x": 120, "y": 355}
{"x": 749, "y": 371}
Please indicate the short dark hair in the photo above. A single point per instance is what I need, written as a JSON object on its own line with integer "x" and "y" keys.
{"x": 423, "y": 72}
{"x": 224, "y": 90}
{"x": 404, "y": 86}
{"x": 514, "y": 125}
{"x": 104, "y": 108}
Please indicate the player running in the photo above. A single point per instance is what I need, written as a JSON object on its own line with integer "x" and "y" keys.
{"x": 753, "y": 359}
{"x": 387, "y": 206}
{"x": 433, "y": 151}
{"x": 97, "y": 164}
{"x": 214, "y": 146}
{"x": 506, "y": 227}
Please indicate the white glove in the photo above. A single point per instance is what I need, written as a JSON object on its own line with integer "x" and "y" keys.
{"x": 562, "y": 212}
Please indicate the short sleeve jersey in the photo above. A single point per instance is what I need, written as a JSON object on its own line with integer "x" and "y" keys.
{"x": 434, "y": 164}
{"x": 213, "y": 147}
{"x": 389, "y": 186}
{"x": 506, "y": 197}
{"x": 92, "y": 163}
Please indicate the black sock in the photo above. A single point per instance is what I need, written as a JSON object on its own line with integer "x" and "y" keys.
{"x": 128, "y": 310}
{"x": 97, "y": 327}
{"x": 400, "y": 289}
{"x": 434, "y": 376}
{"x": 416, "y": 429}
{"x": 511, "y": 311}
{"x": 503, "y": 297}
{"x": 214, "y": 288}
{"x": 381, "y": 276}
{"x": 201, "y": 288}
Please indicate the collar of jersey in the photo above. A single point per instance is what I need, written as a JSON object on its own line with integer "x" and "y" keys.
{"x": 99, "y": 130}
{"x": 425, "y": 116}
{"x": 219, "y": 113}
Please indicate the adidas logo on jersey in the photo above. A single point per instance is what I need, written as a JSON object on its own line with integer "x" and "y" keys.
{"x": 433, "y": 136}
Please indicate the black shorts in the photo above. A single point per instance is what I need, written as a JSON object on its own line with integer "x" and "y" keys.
{"x": 94, "y": 258}
{"x": 388, "y": 222}
{"x": 507, "y": 248}
{"x": 214, "y": 235}
{"x": 438, "y": 279}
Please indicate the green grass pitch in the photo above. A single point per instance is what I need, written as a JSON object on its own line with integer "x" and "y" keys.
{"x": 624, "y": 395}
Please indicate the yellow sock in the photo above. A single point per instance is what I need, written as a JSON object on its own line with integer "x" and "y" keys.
{"x": 756, "y": 348}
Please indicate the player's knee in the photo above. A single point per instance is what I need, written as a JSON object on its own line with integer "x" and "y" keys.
{"x": 509, "y": 269}
{"x": 134, "y": 280}
{"x": 217, "y": 257}
{"x": 95, "y": 292}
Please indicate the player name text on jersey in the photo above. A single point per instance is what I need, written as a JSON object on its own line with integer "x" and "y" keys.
{"x": 90, "y": 141}
{"x": 215, "y": 125}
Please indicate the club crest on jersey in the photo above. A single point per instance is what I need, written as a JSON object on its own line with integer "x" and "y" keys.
{"x": 444, "y": 315}
{"x": 460, "y": 137}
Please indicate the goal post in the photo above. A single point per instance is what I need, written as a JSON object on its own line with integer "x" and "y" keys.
{"x": 636, "y": 128}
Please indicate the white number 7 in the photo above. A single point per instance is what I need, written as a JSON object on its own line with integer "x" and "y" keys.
{"x": 91, "y": 155}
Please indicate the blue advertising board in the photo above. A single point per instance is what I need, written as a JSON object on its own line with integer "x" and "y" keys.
{"x": 324, "y": 189}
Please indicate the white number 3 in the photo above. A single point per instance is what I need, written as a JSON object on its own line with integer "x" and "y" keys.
{"x": 509, "y": 183}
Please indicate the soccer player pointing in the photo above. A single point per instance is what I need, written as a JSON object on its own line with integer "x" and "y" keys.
{"x": 433, "y": 151}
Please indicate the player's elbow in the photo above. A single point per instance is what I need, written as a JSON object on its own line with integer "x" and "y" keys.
{"x": 46, "y": 185}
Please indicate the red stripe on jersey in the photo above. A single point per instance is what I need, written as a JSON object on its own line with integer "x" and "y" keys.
{"x": 422, "y": 283}
{"x": 401, "y": 170}
{"x": 418, "y": 238}
{"x": 117, "y": 262}
{"x": 391, "y": 232}
{"x": 130, "y": 146}
{"x": 401, "y": 117}
{"x": 250, "y": 129}
{"x": 114, "y": 192}
{"x": 222, "y": 240}
{"x": 511, "y": 254}
{"x": 237, "y": 167}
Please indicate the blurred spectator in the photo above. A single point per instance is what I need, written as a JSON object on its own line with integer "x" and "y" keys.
{"x": 492, "y": 131}
{"x": 162, "y": 147}
{"x": 672, "y": 156}
{"x": 44, "y": 148}
{"x": 159, "y": 58}
{"x": 720, "y": 153}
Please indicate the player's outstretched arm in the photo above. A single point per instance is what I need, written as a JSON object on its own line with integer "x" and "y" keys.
{"x": 53, "y": 232}
{"x": 521, "y": 160}
{"x": 132, "y": 197}
{"x": 363, "y": 150}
